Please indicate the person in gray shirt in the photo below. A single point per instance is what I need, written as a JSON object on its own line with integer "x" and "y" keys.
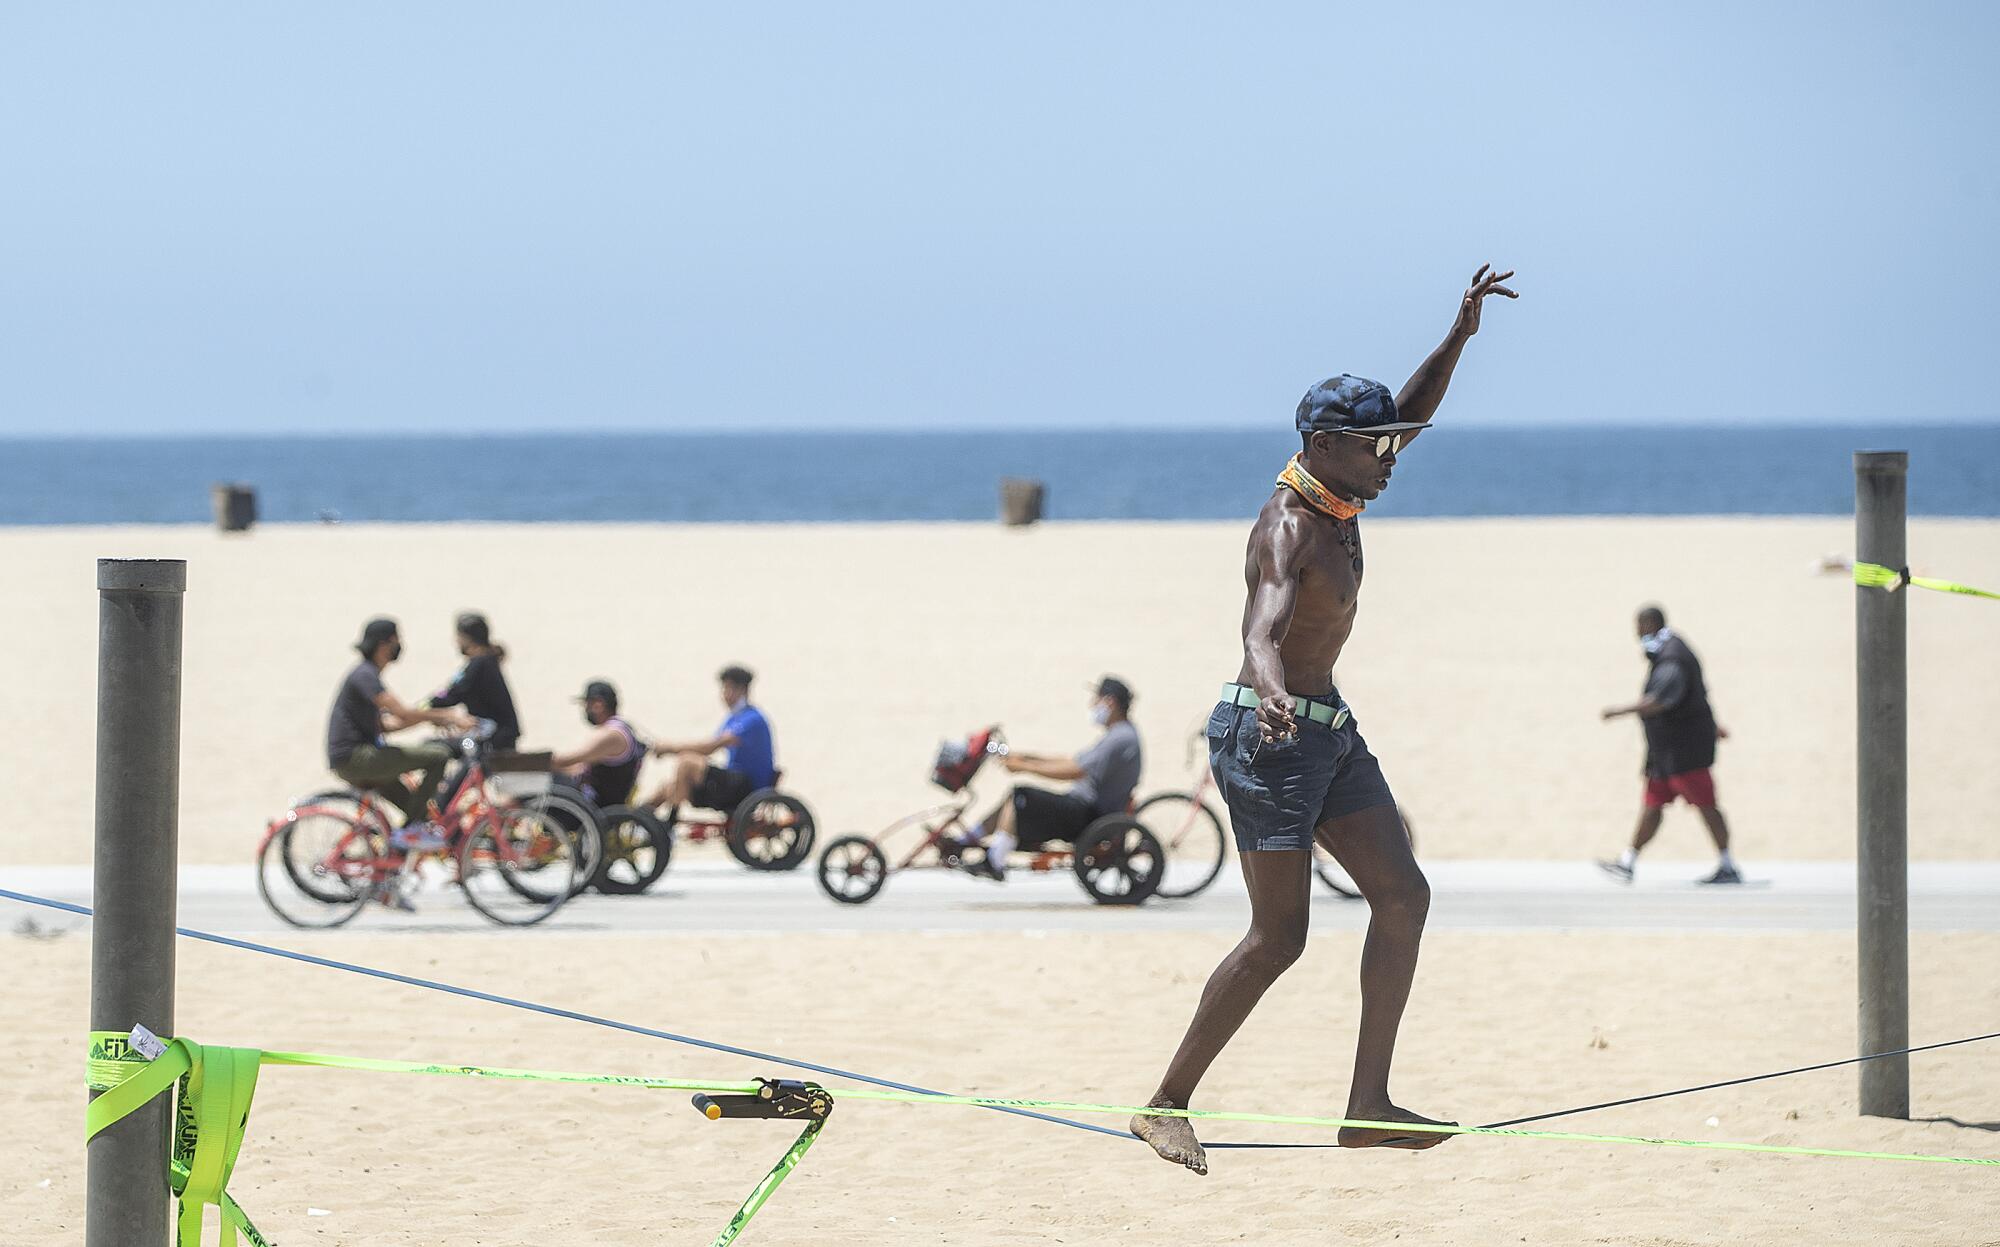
{"x": 362, "y": 711}
{"x": 1101, "y": 779}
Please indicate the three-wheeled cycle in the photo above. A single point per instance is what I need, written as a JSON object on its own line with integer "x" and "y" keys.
{"x": 1115, "y": 859}
{"x": 768, "y": 830}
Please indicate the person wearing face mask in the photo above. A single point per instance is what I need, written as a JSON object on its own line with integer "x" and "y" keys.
{"x": 355, "y": 748}
{"x": 606, "y": 766}
{"x": 749, "y": 759}
{"x": 1101, "y": 780}
{"x": 480, "y": 686}
{"x": 1680, "y": 746}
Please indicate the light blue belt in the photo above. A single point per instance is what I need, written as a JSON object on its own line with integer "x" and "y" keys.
{"x": 1318, "y": 712}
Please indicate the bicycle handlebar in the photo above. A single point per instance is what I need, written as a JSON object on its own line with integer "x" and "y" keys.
{"x": 470, "y": 743}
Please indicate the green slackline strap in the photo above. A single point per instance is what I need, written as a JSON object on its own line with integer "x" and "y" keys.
{"x": 111, "y": 1060}
{"x": 487, "y": 1071}
{"x": 766, "y": 1188}
{"x": 750, "y": 1207}
{"x": 1064, "y": 1106}
{"x": 216, "y": 1085}
{"x": 215, "y": 1103}
{"x": 1876, "y": 576}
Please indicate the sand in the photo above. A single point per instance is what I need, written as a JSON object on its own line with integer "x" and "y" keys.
{"x": 1500, "y": 1025}
{"x": 1483, "y": 653}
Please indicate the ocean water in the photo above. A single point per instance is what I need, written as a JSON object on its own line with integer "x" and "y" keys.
{"x": 790, "y": 476}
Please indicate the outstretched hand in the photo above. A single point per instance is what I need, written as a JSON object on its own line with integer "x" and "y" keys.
{"x": 1484, "y": 282}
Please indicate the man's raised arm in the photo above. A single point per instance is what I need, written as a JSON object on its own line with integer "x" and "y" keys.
{"x": 1424, "y": 391}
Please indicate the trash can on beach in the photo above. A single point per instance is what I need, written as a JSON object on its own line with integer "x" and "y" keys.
{"x": 1020, "y": 501}
{"x": 235, "y": 507}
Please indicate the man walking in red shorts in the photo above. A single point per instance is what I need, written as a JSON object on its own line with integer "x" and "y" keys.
{"x": 1680, "y": 745}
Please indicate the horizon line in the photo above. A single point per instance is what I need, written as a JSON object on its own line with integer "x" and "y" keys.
{"x": 459, "y": 434}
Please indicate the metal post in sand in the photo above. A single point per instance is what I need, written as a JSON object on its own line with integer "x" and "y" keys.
{"x": 1882, "y": 822}
{"x": 137, "y": 841}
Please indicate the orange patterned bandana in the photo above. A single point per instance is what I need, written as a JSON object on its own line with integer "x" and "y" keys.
{"x": 1317, "y": 496}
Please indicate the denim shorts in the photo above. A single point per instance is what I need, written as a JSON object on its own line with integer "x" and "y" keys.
{"x": 1279, "y": 791}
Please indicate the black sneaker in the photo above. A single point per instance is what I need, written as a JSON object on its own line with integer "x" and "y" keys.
{"x": 1617, "y": 870}
{"x": 1723, "y": 874}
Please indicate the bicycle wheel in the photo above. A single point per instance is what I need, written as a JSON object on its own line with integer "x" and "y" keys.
{"x": 1191, "y": 834}
{"x": 636, "y": 848}
{"x": 519, "y": 866}
{"x": 1118, "y": 861}
{"x": 771, "y": 830}
{"x": 1329, "y": 872}
{"x": 579, "y": 817}
{"x": 318, "y": 868}
{"x": 853, "y": 870}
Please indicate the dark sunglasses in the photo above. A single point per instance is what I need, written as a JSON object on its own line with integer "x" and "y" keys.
{"x": 1386, "y": 444}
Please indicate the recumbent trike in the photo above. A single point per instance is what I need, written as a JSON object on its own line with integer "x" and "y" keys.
{"x": 1115, "y": 859}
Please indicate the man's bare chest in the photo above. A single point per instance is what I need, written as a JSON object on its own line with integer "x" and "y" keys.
{"x": 1332, "y": 570}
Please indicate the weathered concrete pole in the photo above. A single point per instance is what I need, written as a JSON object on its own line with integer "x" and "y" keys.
{"x": 1882, "y": 825}
{"x": 137, "y": 842}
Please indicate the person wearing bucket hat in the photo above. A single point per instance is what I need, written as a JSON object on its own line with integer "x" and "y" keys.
{"x": 356, "y": 747}
{"x": 1289, "y": 758}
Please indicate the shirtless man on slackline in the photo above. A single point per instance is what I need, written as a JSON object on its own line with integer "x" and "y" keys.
{"x": 1288, "y": 755}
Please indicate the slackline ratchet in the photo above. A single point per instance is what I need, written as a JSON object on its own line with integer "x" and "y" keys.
{"x": 215, "y": 1086}
{"x": 1876, "y": 576}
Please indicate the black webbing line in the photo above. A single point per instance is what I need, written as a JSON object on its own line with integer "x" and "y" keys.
{"x": 1737, "y": 1082}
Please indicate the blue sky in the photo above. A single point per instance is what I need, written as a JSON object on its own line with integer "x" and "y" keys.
{"x": 483, "y": 216}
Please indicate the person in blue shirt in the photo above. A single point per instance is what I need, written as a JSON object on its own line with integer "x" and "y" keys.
{"x": 748, "y": 760}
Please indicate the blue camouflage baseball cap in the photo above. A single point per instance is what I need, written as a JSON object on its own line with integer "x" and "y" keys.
{"x": 1351, "y": 404}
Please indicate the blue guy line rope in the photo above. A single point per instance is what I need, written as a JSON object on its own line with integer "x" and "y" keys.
{"x": 635, "y": 1028}
{"x": 573, "y": 1015}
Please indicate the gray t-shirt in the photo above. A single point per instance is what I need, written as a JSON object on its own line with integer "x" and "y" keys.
{"x": 1668, "y": 683}
{"x": 1681, "y": 737}
{"x": 1110, "y": 769}
{"x": 356, "y": 720}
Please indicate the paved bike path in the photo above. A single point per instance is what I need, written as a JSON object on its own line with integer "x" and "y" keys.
{"x": 703, "y": 893}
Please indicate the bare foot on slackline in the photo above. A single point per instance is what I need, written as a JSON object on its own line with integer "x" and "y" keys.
{"x": 1172, "y": 1137}
{"x": 1415, "y": 1141}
